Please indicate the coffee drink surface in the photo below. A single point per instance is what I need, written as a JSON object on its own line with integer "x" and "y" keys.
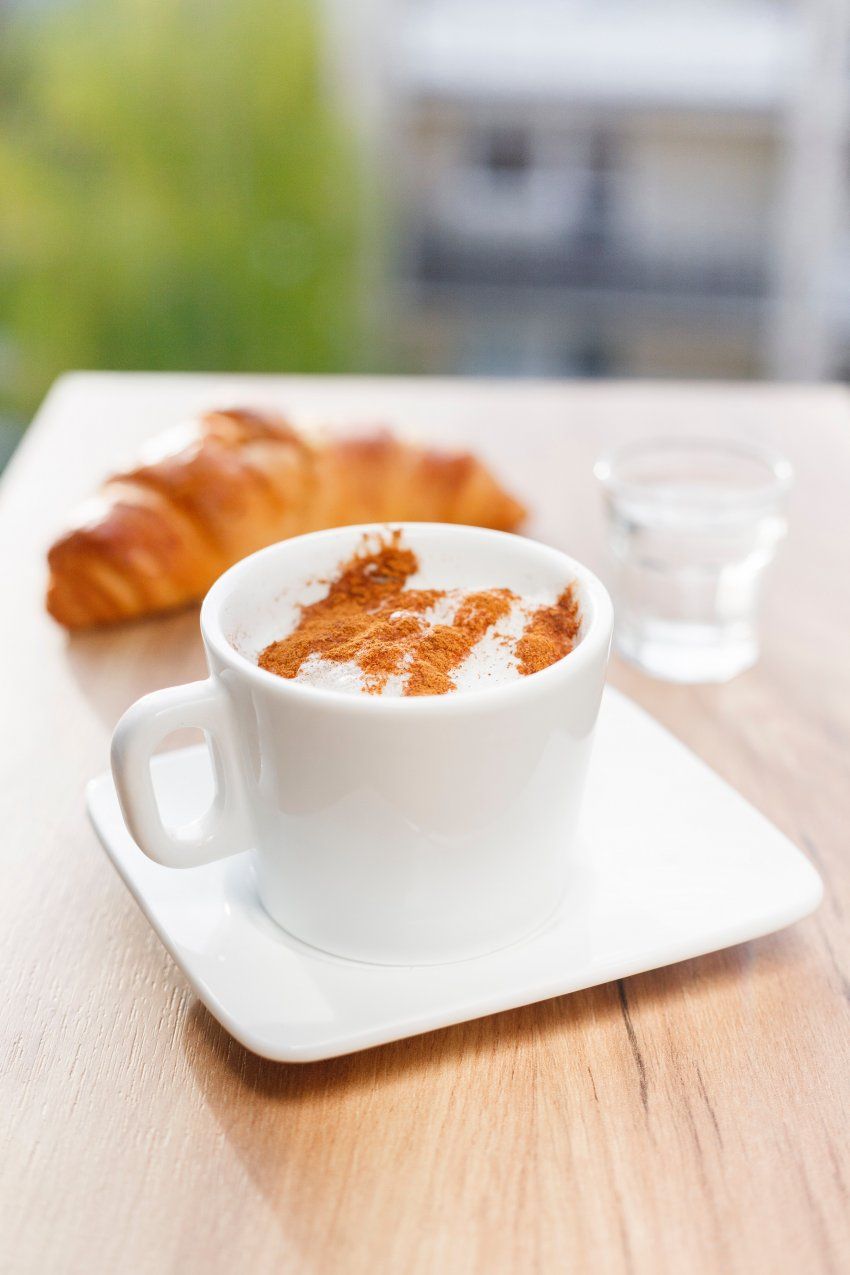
{"x": 372, "y": 635}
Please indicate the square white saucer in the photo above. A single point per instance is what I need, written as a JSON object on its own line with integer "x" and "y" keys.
{"x": 674, "y": 864}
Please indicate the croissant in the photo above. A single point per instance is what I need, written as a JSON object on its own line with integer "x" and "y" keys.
{"x": 158, "y": 536}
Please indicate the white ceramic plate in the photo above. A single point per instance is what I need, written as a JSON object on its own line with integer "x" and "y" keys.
{"x": 675, "y": 864}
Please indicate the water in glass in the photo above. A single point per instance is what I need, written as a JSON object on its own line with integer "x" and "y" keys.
{"x": 692, "y": 527}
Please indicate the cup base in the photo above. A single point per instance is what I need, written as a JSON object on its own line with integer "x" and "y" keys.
{"x": 412, "y": 959}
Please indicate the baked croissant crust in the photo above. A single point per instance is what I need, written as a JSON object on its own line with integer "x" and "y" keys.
{"x": 158, "y": 536}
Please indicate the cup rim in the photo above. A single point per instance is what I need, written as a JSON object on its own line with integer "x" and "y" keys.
{"x": 778, "y": 482}
{"x": 598, "y": 632}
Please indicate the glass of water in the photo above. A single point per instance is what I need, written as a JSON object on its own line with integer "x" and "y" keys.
{"x": 692, "y": 526}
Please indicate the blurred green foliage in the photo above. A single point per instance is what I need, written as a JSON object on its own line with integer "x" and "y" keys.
{"x": 175, "y": 192}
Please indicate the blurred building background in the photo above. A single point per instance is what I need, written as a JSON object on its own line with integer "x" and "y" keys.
{"x": 558, "y": 187}
{"x": 624, "y": 187}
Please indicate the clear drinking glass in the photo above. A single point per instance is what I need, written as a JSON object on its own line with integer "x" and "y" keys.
{"x": 692, "y": 526}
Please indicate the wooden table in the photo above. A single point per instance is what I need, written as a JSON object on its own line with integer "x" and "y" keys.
{"x": 689, "y": 1120}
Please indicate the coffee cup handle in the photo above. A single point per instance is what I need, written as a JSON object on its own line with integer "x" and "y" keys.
{"x": 221, "y": 830}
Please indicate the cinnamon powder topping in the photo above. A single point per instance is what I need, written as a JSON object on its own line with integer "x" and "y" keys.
{"x": 369, "y": 619}
{"x": 549, "y": 635}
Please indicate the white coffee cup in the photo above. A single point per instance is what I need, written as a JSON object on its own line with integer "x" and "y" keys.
{"x": 392, "y": 830}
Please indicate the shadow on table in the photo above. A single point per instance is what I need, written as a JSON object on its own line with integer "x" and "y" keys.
{"x": 114, "y": 666}
{"x": 225, "y": 1065}
{"x": 300, "y": 1123}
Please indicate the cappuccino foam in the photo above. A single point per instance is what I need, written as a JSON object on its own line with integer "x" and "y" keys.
{"x": 492, "y": 661}
{"x": 370, "y": 634}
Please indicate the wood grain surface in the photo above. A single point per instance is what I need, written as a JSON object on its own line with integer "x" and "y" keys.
{"x": 693, "y": 1120}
